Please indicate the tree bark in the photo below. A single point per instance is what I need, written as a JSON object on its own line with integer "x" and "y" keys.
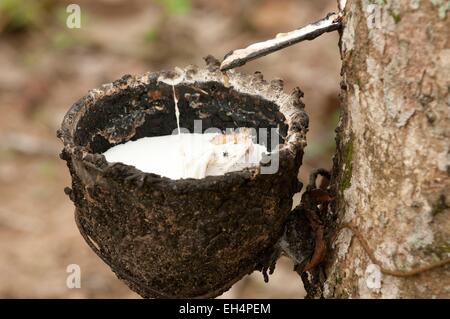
{"x": 391, "y": 169}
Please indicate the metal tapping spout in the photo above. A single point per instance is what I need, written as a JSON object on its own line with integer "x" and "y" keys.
{"x": 236, "y": 58}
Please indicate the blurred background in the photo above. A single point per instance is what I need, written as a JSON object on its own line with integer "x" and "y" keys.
{"x": 45, "y": 67}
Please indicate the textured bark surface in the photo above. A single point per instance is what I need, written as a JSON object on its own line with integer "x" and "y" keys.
{"x": 391, "y": 174}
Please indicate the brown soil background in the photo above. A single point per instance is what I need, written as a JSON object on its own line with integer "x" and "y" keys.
{"x": 45, "y": 67}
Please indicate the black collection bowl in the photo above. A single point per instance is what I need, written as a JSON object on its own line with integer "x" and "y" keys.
{"x": 189, "y": 237}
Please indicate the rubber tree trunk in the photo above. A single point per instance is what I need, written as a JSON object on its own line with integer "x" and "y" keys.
{"x": 391, "y": 170}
